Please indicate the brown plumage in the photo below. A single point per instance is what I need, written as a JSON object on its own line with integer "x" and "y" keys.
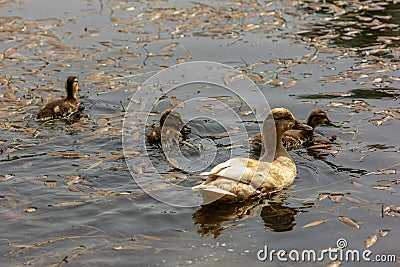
{"x": 241, "y": 178}
{"x": 62, "y": 108}
{"x": 170, "y": 132}
{"x": 296, "y": 139}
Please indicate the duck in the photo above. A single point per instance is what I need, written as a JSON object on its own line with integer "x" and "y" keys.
{"x": 238, "y": 179}
{"x": 64, "y": 107}
{"x": 296, "y": 139}
{"x": 171, "y": 131}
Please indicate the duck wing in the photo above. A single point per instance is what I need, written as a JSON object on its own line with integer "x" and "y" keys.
{"x": 235, "y": 179}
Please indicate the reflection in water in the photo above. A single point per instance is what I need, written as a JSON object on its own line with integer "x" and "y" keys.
{"x": 369, "y": 93}
{"x": 212, "y": 219}
{"x": 278, "y": 218}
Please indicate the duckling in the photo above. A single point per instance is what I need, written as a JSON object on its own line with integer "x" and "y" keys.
{"x": 63, "y": 107}
{"x": 298, "y": 139}
{"x": 171, "y": 130}
{"x": 242, "y": 178}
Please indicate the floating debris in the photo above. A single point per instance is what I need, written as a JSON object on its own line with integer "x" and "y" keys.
{"x": 371, "y": 241}
{"x": 349, "y": 222}
{"x": 315, "y": 223}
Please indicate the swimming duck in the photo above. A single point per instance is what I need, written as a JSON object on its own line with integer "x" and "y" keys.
{"x": 63, "y": 107}
{"x": 298, "y": 138}
{"x": 241, "y": 178}
{"x": 171, "y": 130}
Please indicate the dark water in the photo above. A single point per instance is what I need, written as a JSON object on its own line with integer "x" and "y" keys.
{"x": 114, "y": 46}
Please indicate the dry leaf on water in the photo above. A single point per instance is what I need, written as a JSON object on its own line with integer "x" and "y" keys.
{"x": 314, "y": 223}
{"x": 50, "y": 184}
{"x": 336, "y": 197}
{"x": 69, "y": 154}
{"x": 379, "y": 172}
{"x": 322, "y": 196}
{"x": 30, "y": 209}
{"x": 67, "y": 204}
{"x": 349, "y": 222}
{"x": 334, "y": 264}
{"x": 371, "y": 241}
{"x": 290, "y": 83}
{"x": 383, "y": 233}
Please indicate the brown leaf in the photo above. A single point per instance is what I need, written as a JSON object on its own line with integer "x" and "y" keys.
{"x": 322, "y": 196}
{"x": 67, "y": 204}
{"x": 30, "y": 209}
{"x": 315, "y": 223}
{"x": 334, "y": 264}
{"x": 371, "y": 241}
{"x": 383, "y": 233}
{"x": 177, "y": 103}
{"x": 50, "y": 184}
{"x": 335, "y": 197}
{"x": 381, "y": 187}
{"x": 290, "y": 83}
{"x": 168, "y": 46}
{"x": 69, "y": 155}
{"x": 137, "y": 170}
{"x": 275, "y": 82}
{"x": 245, "y": 113}
{"x": 349, "y": 222}
{"x": 379, "y": 172}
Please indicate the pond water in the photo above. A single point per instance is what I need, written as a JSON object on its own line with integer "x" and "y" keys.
{"x": 67, "y": 194}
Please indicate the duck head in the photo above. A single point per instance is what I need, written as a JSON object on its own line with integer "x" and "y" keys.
{"x": 318, "y": 117}
{"x": 172, "y": 118}
{"x": 72, "y": 86}
{"x": 285, "y": 121}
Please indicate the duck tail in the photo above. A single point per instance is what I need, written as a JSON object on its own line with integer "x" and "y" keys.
{"x": 211, "y": 193}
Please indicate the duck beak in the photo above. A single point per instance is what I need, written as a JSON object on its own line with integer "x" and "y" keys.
{"x": 328, "y": 122}
{"x": 300, "y": 126}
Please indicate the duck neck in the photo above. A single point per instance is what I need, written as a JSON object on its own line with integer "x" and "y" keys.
{"x": 272, "y": 141}
{"x": 71, "y": 95}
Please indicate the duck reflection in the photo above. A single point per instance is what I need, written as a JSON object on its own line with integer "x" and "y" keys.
{"x": 214, "y": 218}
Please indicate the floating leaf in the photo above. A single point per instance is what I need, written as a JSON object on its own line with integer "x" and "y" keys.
{"x": 336, "y": 197}
{"x": 371, "y": 241}
{"x": 379, "y": 172}
{"x": 69, "y": 154}
{"x": 177, "y": 103}
{"x": 381, "y": 187}
{"x": 30, "y": 209}
{"x": 168, "y": 46}
{"x": 137, "y": 170}
{"x": 50, "y": 184}
{"x": 349, "y": 222}
{"x": 245, "y": 113}
{"x": 392, "y": 211}
{"x": 322, "y": 196}
{"x": 67, "y": 204}
{"x": 314, "y": 223}
{"x": 383, "y": 233}
{"x": 334, "y": 264}
{"x": 290, "y": 83}
{"x": 275, "y": 82}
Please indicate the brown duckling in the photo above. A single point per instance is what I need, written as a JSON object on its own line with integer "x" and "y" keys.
{"x": 242, "y": 178}
{"x": 296, "y": 139}
{"x": 62, "y": 108}
{"x": 171, "y": 130}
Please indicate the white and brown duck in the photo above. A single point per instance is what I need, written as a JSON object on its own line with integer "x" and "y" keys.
{"x": 242, "y": 178}
{"x": 64, "y": 107}
{"x": 296, "y": 139}
{"x": 171, "y": 131}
